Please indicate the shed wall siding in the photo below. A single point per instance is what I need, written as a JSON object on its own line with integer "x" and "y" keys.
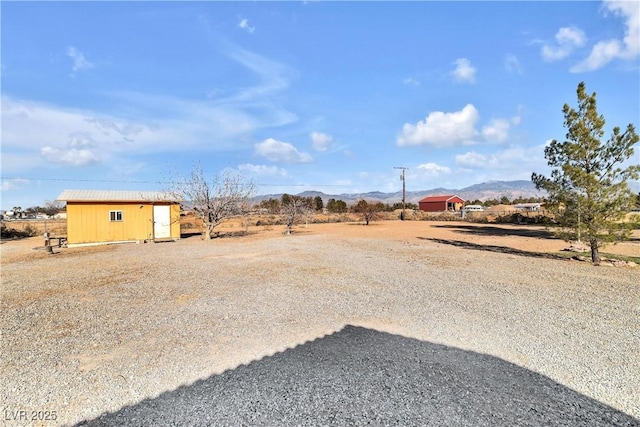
{"x": 89, "y": 222}
{"x": 433, "y": 206}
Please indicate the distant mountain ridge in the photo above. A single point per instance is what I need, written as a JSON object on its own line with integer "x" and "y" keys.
{"x": 483, "y": 191}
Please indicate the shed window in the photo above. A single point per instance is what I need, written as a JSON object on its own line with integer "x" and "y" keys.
{"x": 115, "y": 215}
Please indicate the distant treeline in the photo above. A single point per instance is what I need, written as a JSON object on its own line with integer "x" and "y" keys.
{"x": 274, "y": 206}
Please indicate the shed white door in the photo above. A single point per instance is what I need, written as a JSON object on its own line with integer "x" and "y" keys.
{"x": 161, "y": 222}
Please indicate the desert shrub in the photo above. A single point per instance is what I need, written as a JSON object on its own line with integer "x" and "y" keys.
{"x": 269, "y": 221}
{"x": 265, "y": 221}
{"x": 450, "y": 216}
{"x": 509, "y": 218}
{"x": 519, "y": 218}
{"x": 409, "y": 215}
{"x": 344, "y": 218}
{"x": 476, "y": 219}
{"x": 440, "y": 216}
{"x": 30, "y": 230}
{"x": 10, "y": 233}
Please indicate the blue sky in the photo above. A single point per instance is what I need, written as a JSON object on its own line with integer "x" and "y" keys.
{"x": 327, "y": 96}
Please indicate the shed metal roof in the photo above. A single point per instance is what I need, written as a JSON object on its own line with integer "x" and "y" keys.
{"x": 440, "y": 198}
{"x": 115, "y": 196}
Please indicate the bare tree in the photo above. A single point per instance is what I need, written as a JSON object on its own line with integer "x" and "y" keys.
{"x": 369, "y": 211}
{"x": 214, "y": 201}
{"x": 51, "y": 208}
{"x": 294, "y": 208}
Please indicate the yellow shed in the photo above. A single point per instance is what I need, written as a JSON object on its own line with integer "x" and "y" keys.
{"x": 103, "y": 216}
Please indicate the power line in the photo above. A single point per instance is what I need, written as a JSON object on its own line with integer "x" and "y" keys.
{"x": 7, "y": 178}
{"x": 81, "y": 180}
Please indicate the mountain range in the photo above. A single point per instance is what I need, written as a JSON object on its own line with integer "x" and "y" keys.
{"x": 484, "y": 191}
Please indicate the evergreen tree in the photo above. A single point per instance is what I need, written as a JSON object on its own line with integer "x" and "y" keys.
{"x": 336, "y": 206}
{"x": 588, "y": 191}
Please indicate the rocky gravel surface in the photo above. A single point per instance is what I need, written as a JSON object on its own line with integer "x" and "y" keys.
{"x": 91, "y": 330}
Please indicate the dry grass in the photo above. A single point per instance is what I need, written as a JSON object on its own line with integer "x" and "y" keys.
{"x": 57, "y": 227}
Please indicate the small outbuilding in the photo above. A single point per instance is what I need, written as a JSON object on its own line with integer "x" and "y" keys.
{"x": 103, "y": 216}
{"x": 441, "y": 203}
{"x": 529, "y": 207}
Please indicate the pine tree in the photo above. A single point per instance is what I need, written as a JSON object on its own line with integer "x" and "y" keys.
{"x": 587, "y": 189}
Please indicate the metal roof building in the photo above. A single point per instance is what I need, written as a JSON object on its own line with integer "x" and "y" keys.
{"x": 115, "y": 195}
{"x": 441, "y": 203}
{"x": 104, "y": 216}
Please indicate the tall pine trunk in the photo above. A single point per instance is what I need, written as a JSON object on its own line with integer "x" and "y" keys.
{"x": 595, "y": 255}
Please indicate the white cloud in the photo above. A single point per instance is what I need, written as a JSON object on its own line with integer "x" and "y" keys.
{"x": 262, "y": 170}
{"x": 81, "y": 140}
{"x": 433, "y": 170}
{"x": 606, "y": 51}
{"x": 411, "y": 81}
{"x": 630, "y": 12}
{"x": 517, "y": 119}
{"x": 125, "y": 167}
{"x": 170, "y": 124}
{"x": 13, "y": 184}
{"x": 464, "y": 72}
{"x": 274, "y": 77}
{"x": 567, "y": 40}
{"x": 496, "y": 131}
{"x": 321, "y": 141}
{"x": 213, "y": 93}
{"x": 278, "y": 151}
{"x": 70, "y": 156}
{"x": 244, "y": 24}
{"x": 515, "y": 162}
{"x": 601, "y": 54}
{"x": 52, "y": 134}
{"x": 150, "y": 123}
{"x": 472, "y": 159}
{"x": 512, "y": 64}
{"x": 30, "y": 125}
{"x": 442, "y": 129}
{"x": 79, "y": 61}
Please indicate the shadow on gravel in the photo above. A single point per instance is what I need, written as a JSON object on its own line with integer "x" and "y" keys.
{"x": 494, "y": 248}
{"x": 186, "y": 235}
{"x": 488, "y": 230}
{"x": 360, "y": 376}
{"x": 217, "y": 234}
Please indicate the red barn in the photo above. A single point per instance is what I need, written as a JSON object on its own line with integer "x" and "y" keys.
{"x": 441, "y": 203}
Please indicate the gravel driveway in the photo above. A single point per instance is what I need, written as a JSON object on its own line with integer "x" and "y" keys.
{"x": 92, "y": 330}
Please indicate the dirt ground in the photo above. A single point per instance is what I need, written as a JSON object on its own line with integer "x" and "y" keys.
{"x": 535, "y": 239}
{"x": 524, "y": 237}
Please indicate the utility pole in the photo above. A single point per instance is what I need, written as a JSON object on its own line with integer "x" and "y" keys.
{"x": 402, "y": 177}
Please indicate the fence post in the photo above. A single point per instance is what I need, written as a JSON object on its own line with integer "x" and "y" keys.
{"x": 47, "y": 243}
